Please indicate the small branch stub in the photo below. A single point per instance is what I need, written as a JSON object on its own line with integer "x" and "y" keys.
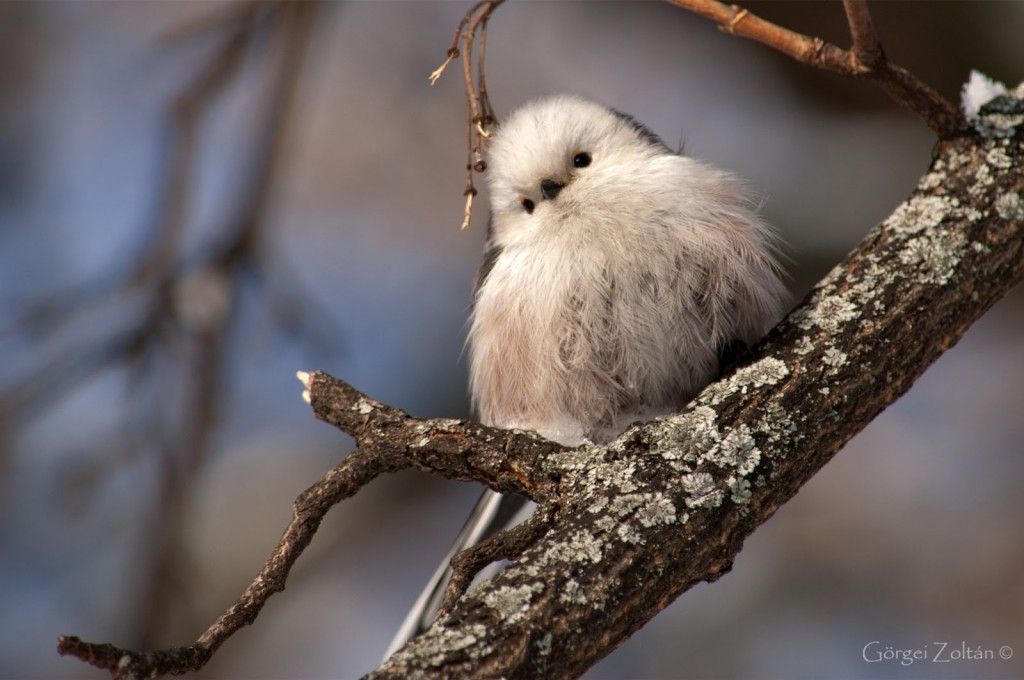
{"x": 453, "y": 53}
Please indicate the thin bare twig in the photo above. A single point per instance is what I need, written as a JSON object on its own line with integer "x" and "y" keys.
{"x": 357, "y": 470}
{"x": 479, "y": 114}
{"x": 486, "y": 112}
{"x": 467, "y": 213}
{"x": 867, "y": 49}
{"x": 866, "y": 60}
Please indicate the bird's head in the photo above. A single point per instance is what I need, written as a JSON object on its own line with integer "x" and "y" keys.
{"x": 562, "y": 156}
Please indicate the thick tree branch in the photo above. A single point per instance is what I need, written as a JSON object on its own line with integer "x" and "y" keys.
{"x": 669, "y": 504}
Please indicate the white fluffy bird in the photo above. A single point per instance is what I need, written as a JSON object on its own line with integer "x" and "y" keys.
{"x": 617, "y": 273}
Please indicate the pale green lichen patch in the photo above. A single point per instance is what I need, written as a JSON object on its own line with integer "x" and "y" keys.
{"x": 934, "y": 179}
{"x": 584, "y": 545}
{"x": 437, "y": 642}
{"x": 581, "y": 546}
{"x": 428, "y": 427}
{"x": 936, "y": 255}
{"x": 573, "y": 460}
{"x": 512, "y": 603}
{"x": 829, "y": 314}
{"x": 626, "y": 510}
{"x": 777, "y": 429}
{"x": 1002, "y": 124}
{"x": 918, "y": 214}
{"x": 767, "y": 371}
{"x": 997, "y": 157}
{"x": 701, "y": 491}
{"x": 738, "y": 450}
{"x": 625, "y": 480}
{"x": 657, "y": 510}
{"x": 804, "y": 346}
{"x": 982, "y": 181}
{"x": 934, "y": 252}
{"x": 627, "y": 533}
{"x": 628, "y": 504}
{"x": 740, "y": 488}
{"x": 681, "y": 435}
{"x": 1010, "y": 207}
{"x": 955, "y": 160}
{"x": 834, "y": 358}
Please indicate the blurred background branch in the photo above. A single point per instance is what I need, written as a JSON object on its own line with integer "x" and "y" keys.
{"x": 175, "y": 305}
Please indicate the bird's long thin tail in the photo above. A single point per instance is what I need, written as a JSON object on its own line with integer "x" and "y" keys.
{"x": 494, "y": 512}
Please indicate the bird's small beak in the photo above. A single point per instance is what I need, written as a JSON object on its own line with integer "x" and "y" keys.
{"x": 549, "y": 188}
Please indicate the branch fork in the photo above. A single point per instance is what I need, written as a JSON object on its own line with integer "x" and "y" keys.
{"x": 865, "y": 59}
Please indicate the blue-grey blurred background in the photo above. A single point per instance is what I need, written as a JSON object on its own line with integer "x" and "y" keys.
{"x": 197, "y": 199}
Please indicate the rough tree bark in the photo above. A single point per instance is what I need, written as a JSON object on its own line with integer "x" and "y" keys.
{"x": 630, "y": 526}
{"x": 669, "y": 504}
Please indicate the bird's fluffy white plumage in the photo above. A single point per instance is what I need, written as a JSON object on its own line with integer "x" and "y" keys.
{"x": 611, "y": 301}
{"x": 616, "y": 272}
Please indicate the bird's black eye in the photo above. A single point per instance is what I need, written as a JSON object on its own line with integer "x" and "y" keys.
{"x": 528, "y": 205}
{"x": 581, "y": 159}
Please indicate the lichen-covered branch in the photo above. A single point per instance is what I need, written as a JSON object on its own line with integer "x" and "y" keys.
{"x": 669, "y": 504}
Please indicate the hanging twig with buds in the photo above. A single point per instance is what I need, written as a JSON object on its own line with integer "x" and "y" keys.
{"x": 479, "y": 115}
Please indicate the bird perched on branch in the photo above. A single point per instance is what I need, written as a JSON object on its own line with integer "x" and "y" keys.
{"x": 617, "y": 272}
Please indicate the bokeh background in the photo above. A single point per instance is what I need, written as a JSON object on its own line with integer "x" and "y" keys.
{"x": 197, "y": 199}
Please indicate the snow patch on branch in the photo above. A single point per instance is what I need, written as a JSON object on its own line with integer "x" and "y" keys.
{"x": 978, "y": 91}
